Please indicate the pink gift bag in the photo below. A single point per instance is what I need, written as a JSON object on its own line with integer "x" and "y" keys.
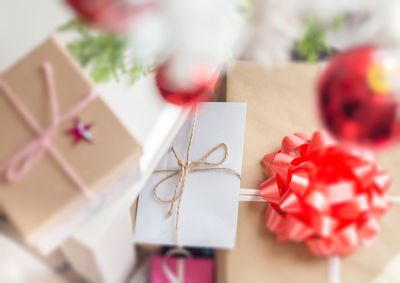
{"x": 166, "y": 269}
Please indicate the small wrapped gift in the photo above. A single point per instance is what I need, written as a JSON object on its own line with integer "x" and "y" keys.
{"x": 61, "y": 145}
{"x": 281, "y": 102}
{"x": 166, "y": 269}
{"x": 192, "y": 197}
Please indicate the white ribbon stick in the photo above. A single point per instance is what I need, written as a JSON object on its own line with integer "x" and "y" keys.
{"x": 395, "y": 200}
{"x": 250, "y": 195}
{"x": 334, "y": 269}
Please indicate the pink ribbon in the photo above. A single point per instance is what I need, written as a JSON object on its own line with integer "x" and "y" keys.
{"x": 25, "y": 159}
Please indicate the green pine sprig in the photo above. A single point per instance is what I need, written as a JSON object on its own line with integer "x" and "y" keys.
{"x": 313, "y": 43}
{"x": 103, "y": 53}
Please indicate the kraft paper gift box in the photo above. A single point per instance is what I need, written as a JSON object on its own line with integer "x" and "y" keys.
{"x": 45, "y": 196}
{"x": 282, "y": 101}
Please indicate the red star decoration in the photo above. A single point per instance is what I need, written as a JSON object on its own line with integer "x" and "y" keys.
{"x": 80, "y": 131}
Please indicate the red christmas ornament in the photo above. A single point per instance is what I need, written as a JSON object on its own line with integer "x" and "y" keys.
{"x": 203, "y": 82}
{"x": 326, "y": 195}
{"x": 358, "y": 96}
{"x": 80, "y": 131}
{"x": 112, "y": 15}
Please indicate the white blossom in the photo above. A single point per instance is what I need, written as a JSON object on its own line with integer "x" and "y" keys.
{"x": 187, "y": 32}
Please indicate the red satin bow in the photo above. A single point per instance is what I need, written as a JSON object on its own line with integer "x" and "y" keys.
{"x": 324, "y": 194}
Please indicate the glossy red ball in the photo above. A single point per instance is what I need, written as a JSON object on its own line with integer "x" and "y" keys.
{"x": 111, "y": 15}
{"x": 358, "y": 96}
{"x": 203, "y": 78}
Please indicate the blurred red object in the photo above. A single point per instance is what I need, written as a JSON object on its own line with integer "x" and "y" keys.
{"x": 204, "y": 80}
{"x": 111, "y": 15}
{"x": 324, "y": 194}
{"x": 358, "y": 96}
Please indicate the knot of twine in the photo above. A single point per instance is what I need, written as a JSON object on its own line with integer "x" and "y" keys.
{"x": 25, "y": 159}
{"x": 185, "y": 168}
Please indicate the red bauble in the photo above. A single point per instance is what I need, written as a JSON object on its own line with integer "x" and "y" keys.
{"x": 112, "y": 15}
{"x": 358, "y": 96}
{"x": 203, "y": 78}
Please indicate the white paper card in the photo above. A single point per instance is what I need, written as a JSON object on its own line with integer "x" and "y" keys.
{"x": 208, "y": 213}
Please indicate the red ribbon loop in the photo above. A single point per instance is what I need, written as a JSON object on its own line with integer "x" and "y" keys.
{"x": 324, "y": 194}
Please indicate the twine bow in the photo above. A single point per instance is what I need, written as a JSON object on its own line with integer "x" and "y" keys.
{"x": 185, "y": 168}
{"x": 25, "y": 159}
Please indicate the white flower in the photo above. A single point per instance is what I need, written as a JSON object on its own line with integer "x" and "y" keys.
{"x": 275, "y": 27}
{"x": 187, "y": 32}
{"x": 278, "y": 25}
{"x": 375, "y": 22}
{"x": 190, "y": 32}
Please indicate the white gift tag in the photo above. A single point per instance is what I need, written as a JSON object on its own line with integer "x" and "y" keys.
{"x": 209, "y": 207}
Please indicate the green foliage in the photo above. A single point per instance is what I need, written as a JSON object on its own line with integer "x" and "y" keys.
{"x": 104, "y": 54}
{"x": 138, "y": 71}
{"x": 76, "y": 25}
{"x": 246, "y": 7}
{"x": 338, "y": 22}
{"x": 313, "y": 42}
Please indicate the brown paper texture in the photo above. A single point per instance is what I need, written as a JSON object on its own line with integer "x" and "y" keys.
{"x": 282, "y": 101}
{"x": 258, "y": 259}
{"x": 279, "y": 102}
{"x": 46, "y": 196}
{"x": 379, "y": 262}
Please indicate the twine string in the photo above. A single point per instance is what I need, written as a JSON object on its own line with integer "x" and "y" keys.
{"x": 185, "y": 169}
